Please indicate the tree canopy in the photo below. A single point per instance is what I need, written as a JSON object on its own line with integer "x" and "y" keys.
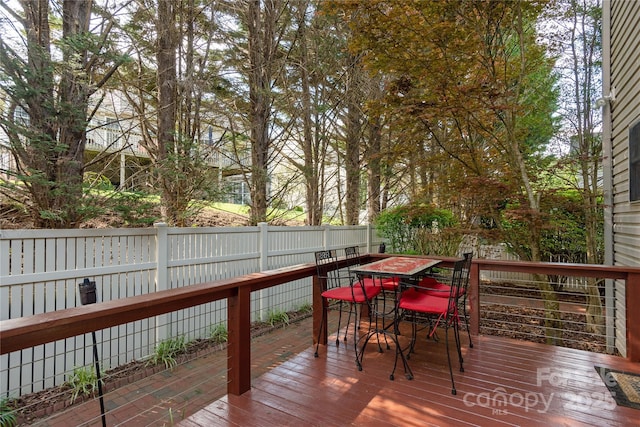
{"x": 341, "y": 106}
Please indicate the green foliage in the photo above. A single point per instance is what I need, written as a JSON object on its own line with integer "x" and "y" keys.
{"x": 135, "y": 208}
{"x": 561, "y": 222}
{"x": 96, "y": 181}
{"x": 277, "y": 317}
{"x": 47, "y": 87}
{"x": 7, "y": 414}
{"x": 83, "y": 381}
{"x": 167, "y": 350}
{"x": 219, "y": 333}
{"x": 183, "y": 177}
{"x": 306, "y": 307}
{"x": 437, "y": 242}
{"x": 278, "y": 204}
{"x": 564, "y": 239}
{"x": 402, "y": 225}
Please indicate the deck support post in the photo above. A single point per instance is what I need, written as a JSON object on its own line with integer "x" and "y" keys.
{"x": 632, "y": 293}
{"x": 474, "y": 299}
{"x": 319, "y": 311}
{"x": 239, "y": 344}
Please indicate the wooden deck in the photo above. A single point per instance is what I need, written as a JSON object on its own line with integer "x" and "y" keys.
{"x": 505, "y": 382}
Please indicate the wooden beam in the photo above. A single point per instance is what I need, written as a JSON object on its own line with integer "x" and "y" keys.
{"x": 474, "y": 299}
{"x": 319, "y": 311}
{"x": 632, "y": 293}
{"x": 239, "y": 344}
{"x": 24, "y": 332}
{"x": 563, "y": 269}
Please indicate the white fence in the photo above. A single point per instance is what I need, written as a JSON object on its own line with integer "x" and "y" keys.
{"x": 40, "y": 271}
{"x": 500, "y": 252}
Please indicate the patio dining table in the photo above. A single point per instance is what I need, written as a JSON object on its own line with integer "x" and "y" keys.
{"x": 410, "y": 268}
{"x": 407, "y": 270}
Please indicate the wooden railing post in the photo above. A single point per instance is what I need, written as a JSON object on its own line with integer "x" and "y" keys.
{"x": 319, "y": 311}
{"x": 632, "y": 293}
{"x": 474, "y": 299}
{"x": 239, "y": 344}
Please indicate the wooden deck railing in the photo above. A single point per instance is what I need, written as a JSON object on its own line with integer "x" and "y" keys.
{"x": 26, "y": 332}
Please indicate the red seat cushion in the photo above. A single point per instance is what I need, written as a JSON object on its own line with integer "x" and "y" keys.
{"x": 414, "y": 300}
{"x": 390, "y": 283}
{"x": 355, "y": 294}
{"x": 428, "y": 282}
{"x": 387, "y": 283}
{"x": 368, "y": 281}
{"x": 431, "y": 286}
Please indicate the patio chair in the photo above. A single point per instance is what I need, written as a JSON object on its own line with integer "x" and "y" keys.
{"x": 423, "y": 308}
{"x": 343, "y": 289}
{"x": 388, "y": 283}
{"x": 383, "y": 285}
{"x": 435, "y": 286}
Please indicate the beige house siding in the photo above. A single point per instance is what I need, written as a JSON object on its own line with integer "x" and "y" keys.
{"x": 621, "y": 72}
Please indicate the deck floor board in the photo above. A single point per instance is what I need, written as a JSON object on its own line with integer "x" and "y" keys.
{"x": 505, "y": 383}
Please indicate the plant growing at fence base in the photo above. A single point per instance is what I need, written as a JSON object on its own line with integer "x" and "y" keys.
{"x": 306, "y": 307}
{"x": 83, "y": 381}
{"x": 276, "y": 317}
{"x": 7, "y": 414}
{"x": 219, "y": 333}
{"x": 167, "y": 350}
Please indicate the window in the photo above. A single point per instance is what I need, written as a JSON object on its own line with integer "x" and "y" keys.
{"x": 634, "y": 162}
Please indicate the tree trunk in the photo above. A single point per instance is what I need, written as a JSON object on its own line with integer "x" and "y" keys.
{"x": 553, "y": 320}
{"x": 310, "y": 148}
{"x": 167, "y": 97}
{"x": 373, "y": 168}
{"x": 74, "y": 99}
{"x": 353, "y": 137}
{"x": 261, "y": 28}
{"x": 590, "y": 147}
{"x": 53, "y": 156}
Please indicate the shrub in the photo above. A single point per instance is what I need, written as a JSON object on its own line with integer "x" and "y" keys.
{"x": 402, "y": 225}
{"x": 167, "y": 350}
{"x": 306, "y": 307}
{"x": 276, "y": 317}
{"x": 96, "y": 181}
{"x": 83, "y": 381}
{"x": 219, "y": 333}
{"x": 134, "y": 208}
{"x": 7, "y": 414}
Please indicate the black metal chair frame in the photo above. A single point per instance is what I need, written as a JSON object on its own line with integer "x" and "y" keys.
{"x": 448, "y": 318}
{"x": 377, "y": 326}
{"x": 466, "y": 272}
{"x": 328, "y": 272}
{"x": 462, "y": 293}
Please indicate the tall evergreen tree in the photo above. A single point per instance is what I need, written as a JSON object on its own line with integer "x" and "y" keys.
{"x": 50, "y": 78}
